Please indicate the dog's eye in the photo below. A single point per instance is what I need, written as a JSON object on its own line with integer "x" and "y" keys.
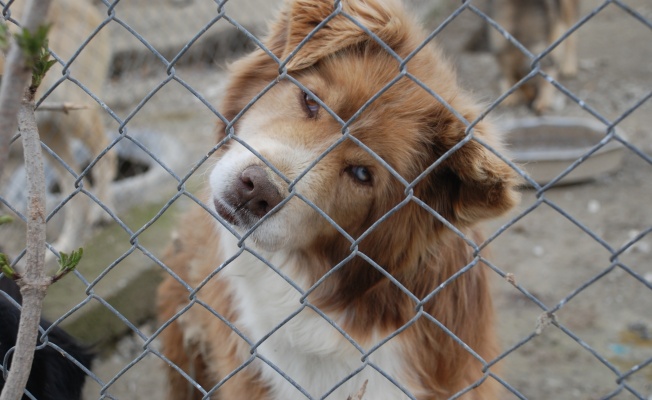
{"x": 310, "y": 105}
{"x": 361, "y": 174}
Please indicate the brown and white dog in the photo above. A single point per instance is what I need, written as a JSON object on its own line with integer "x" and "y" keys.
{"x": 302, "y": 280}
{"x": 536, "y": 24}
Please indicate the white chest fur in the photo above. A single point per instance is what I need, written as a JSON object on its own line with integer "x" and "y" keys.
{"x": 303, "y": 345}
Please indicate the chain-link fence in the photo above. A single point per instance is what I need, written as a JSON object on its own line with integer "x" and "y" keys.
{"x": 571, "y": 270}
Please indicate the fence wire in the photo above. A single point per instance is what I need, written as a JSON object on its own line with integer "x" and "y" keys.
{"x": 167, "y": 62}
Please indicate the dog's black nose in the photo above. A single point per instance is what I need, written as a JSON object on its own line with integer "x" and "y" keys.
{"x": 256, "y": 192}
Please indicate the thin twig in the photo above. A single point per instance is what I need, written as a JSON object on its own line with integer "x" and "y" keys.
{"x": 361, "y": 392}
{"x": 34, "y": 282}
{"x": 15, "y": 78}
{"x": 64, "y": 107}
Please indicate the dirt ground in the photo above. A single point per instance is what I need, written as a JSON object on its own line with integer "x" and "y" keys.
{"x": 603, "y": 306}
{"x": 552, "y": 257}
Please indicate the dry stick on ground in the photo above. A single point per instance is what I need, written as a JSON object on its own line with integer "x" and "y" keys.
{"x": 34, "y": 282}
{"x": 361, "y": 392}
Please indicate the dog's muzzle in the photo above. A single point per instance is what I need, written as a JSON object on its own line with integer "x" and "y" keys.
{"x": 249, "y": 198}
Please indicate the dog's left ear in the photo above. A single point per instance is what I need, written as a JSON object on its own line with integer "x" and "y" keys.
{"x": 301, "y": 17}
{"x": 486, "y": 185}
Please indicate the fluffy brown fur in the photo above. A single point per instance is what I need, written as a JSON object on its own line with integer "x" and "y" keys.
{"x": 410, "y": 130}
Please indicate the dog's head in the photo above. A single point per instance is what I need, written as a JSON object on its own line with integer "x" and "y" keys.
{"x": 343, "y": 134}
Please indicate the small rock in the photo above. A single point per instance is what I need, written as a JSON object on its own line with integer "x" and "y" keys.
{"x": 641, "y": 330}
{"x": 648, "y": 277}
{"x": 640, "y": 246}
{"x": 538, "y": 251}
{"x": 588, "y": 64}
{"x": 593, "y": 206}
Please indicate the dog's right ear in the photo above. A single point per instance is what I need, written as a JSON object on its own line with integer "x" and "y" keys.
{"x": 300, "y": 17}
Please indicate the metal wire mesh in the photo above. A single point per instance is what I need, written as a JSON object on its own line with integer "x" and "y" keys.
{"x": 169, "y": 62}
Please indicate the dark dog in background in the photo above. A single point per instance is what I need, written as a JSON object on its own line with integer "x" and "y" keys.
{"x": 536, "y": 24}
{"x": 53, "y": 376}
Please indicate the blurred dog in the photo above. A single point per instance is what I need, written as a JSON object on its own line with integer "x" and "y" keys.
{"x": 53, "y": 376}
{"x": 72, "y": 22}
{"x": 288, "y": 127}
{"x": 536, "y": 24}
